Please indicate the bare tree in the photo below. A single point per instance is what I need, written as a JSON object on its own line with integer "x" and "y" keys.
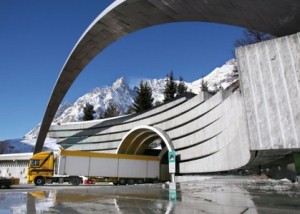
{"x": 251, "y": 37}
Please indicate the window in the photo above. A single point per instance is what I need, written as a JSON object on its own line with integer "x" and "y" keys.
{"x": 34, "y": 162}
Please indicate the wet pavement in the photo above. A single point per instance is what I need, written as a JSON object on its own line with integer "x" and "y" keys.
{"x": 213, "y": 195}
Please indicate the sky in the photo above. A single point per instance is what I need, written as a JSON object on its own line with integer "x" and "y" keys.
{"x": 37, "y": 36}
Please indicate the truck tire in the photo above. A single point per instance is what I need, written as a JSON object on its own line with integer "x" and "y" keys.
{"x": 75, "y": 181}
{"x": 131, "y": 181}
{"x": 140, "y": 181}
{"x": 39, "y": 181}
{"x": 123, "y": 181}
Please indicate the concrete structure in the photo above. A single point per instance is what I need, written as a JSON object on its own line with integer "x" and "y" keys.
{"x": 126, "y": 16}
{"x": 201, "y": 132}
{"x": 270, "y": 81}
{"x": 257, "y": 126}
{"x": 14, "y": 165}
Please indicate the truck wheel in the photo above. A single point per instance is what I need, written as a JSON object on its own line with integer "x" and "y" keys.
{"x": 75, "y": 181}
{"x": 140, "y": 181}
{"x": 122, "y": 181}
{"x": 131, "y": 181}
{"x": 39, "y": 181}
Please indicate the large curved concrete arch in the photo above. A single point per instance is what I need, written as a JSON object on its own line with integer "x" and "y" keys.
{"x": 122, "y": 17}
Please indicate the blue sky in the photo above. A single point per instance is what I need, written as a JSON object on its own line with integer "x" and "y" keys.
{"x": 37, "y": 36}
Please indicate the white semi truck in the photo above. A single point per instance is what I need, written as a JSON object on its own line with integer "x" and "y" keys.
{"x": 70, "y": 166}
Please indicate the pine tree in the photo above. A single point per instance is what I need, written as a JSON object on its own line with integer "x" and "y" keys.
{"x": 204, "y": 85}
{"x": 170, "y": 87}
{"x": 88, "y": 112}
{"x": 111, "y": 111}
{"x": 181, "y": 88}
{"x": 130, "y": 110}
{"x": 143, "y": 101}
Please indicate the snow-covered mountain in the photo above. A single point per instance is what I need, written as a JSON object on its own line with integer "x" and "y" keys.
{"x": 118, "y": 93}
{"x": 122, "y": 96}
{"x": 25, "y": 145}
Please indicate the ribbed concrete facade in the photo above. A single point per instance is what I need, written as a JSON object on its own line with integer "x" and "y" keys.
{"x": 270, "y": 81}
{"x": 202, "y": 132}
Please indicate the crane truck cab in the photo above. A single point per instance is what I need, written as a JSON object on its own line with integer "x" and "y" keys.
{"x": 41, "y": 167}
{"x": 41, "y": 170}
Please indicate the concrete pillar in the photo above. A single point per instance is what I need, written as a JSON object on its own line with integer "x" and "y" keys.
{"x": 297, "y": 165}
{"x": 297, "y": 162}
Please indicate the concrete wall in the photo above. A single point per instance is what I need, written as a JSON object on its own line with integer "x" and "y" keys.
{"x": 14, "y": 165}
{"x": 203, "y": 132}
{"x": 225, "y": 142}
{"x": 107, "y": 134}
{"x": 270, "y": 75}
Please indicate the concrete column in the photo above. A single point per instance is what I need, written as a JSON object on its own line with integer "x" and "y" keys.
{"x": 297, "y": 162}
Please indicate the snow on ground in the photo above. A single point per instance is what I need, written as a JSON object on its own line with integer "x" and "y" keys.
{"x": 282, "y": 186}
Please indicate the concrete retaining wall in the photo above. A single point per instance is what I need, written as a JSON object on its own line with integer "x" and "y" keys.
{"x": 229, "y": 146}
{"x": 270, "y": 83}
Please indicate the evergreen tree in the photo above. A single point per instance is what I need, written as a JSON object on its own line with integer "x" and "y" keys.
{"x": 88, "y": 112}
{"x": 143, "y": 101}
{"x": 111, "y": 111}
{"x": 182, "y": 88}
{"x": 204, "y": 85}
{"x": 130, "y": 110}
{"x": 170, "y": 87}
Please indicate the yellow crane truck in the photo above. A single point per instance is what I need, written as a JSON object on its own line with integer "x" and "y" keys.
{"x": 71, "y": 166}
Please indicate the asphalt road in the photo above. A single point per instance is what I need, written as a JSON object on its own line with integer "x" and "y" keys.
{"x": 211, "y": 195}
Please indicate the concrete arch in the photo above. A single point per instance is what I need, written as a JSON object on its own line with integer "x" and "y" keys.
{"x": 140, "y": 136}
{"x": 126, "y": 16}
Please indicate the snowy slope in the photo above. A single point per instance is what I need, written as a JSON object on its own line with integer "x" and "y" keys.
{"x": 25, "y": 145}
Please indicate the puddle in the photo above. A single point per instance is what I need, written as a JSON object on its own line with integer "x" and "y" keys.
{"x": 211, "y": 196}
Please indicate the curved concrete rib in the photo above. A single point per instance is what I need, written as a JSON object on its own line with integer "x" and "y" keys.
{"x": 130, "y": 137}
{"x": 123, "y": 17}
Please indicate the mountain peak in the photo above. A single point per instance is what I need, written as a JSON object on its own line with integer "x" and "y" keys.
{"x": 119, "y": 83}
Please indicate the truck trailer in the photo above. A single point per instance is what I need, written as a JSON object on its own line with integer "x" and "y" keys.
{"x": 70, "y": 166}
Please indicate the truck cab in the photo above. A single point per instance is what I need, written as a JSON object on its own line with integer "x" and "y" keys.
{"x": 41, "y": 167}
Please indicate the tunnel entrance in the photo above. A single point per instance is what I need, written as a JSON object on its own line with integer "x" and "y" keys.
{"x": 151, "y": 141}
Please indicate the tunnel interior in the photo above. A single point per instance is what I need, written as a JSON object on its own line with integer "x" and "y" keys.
{"x": 148, "y": 141}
